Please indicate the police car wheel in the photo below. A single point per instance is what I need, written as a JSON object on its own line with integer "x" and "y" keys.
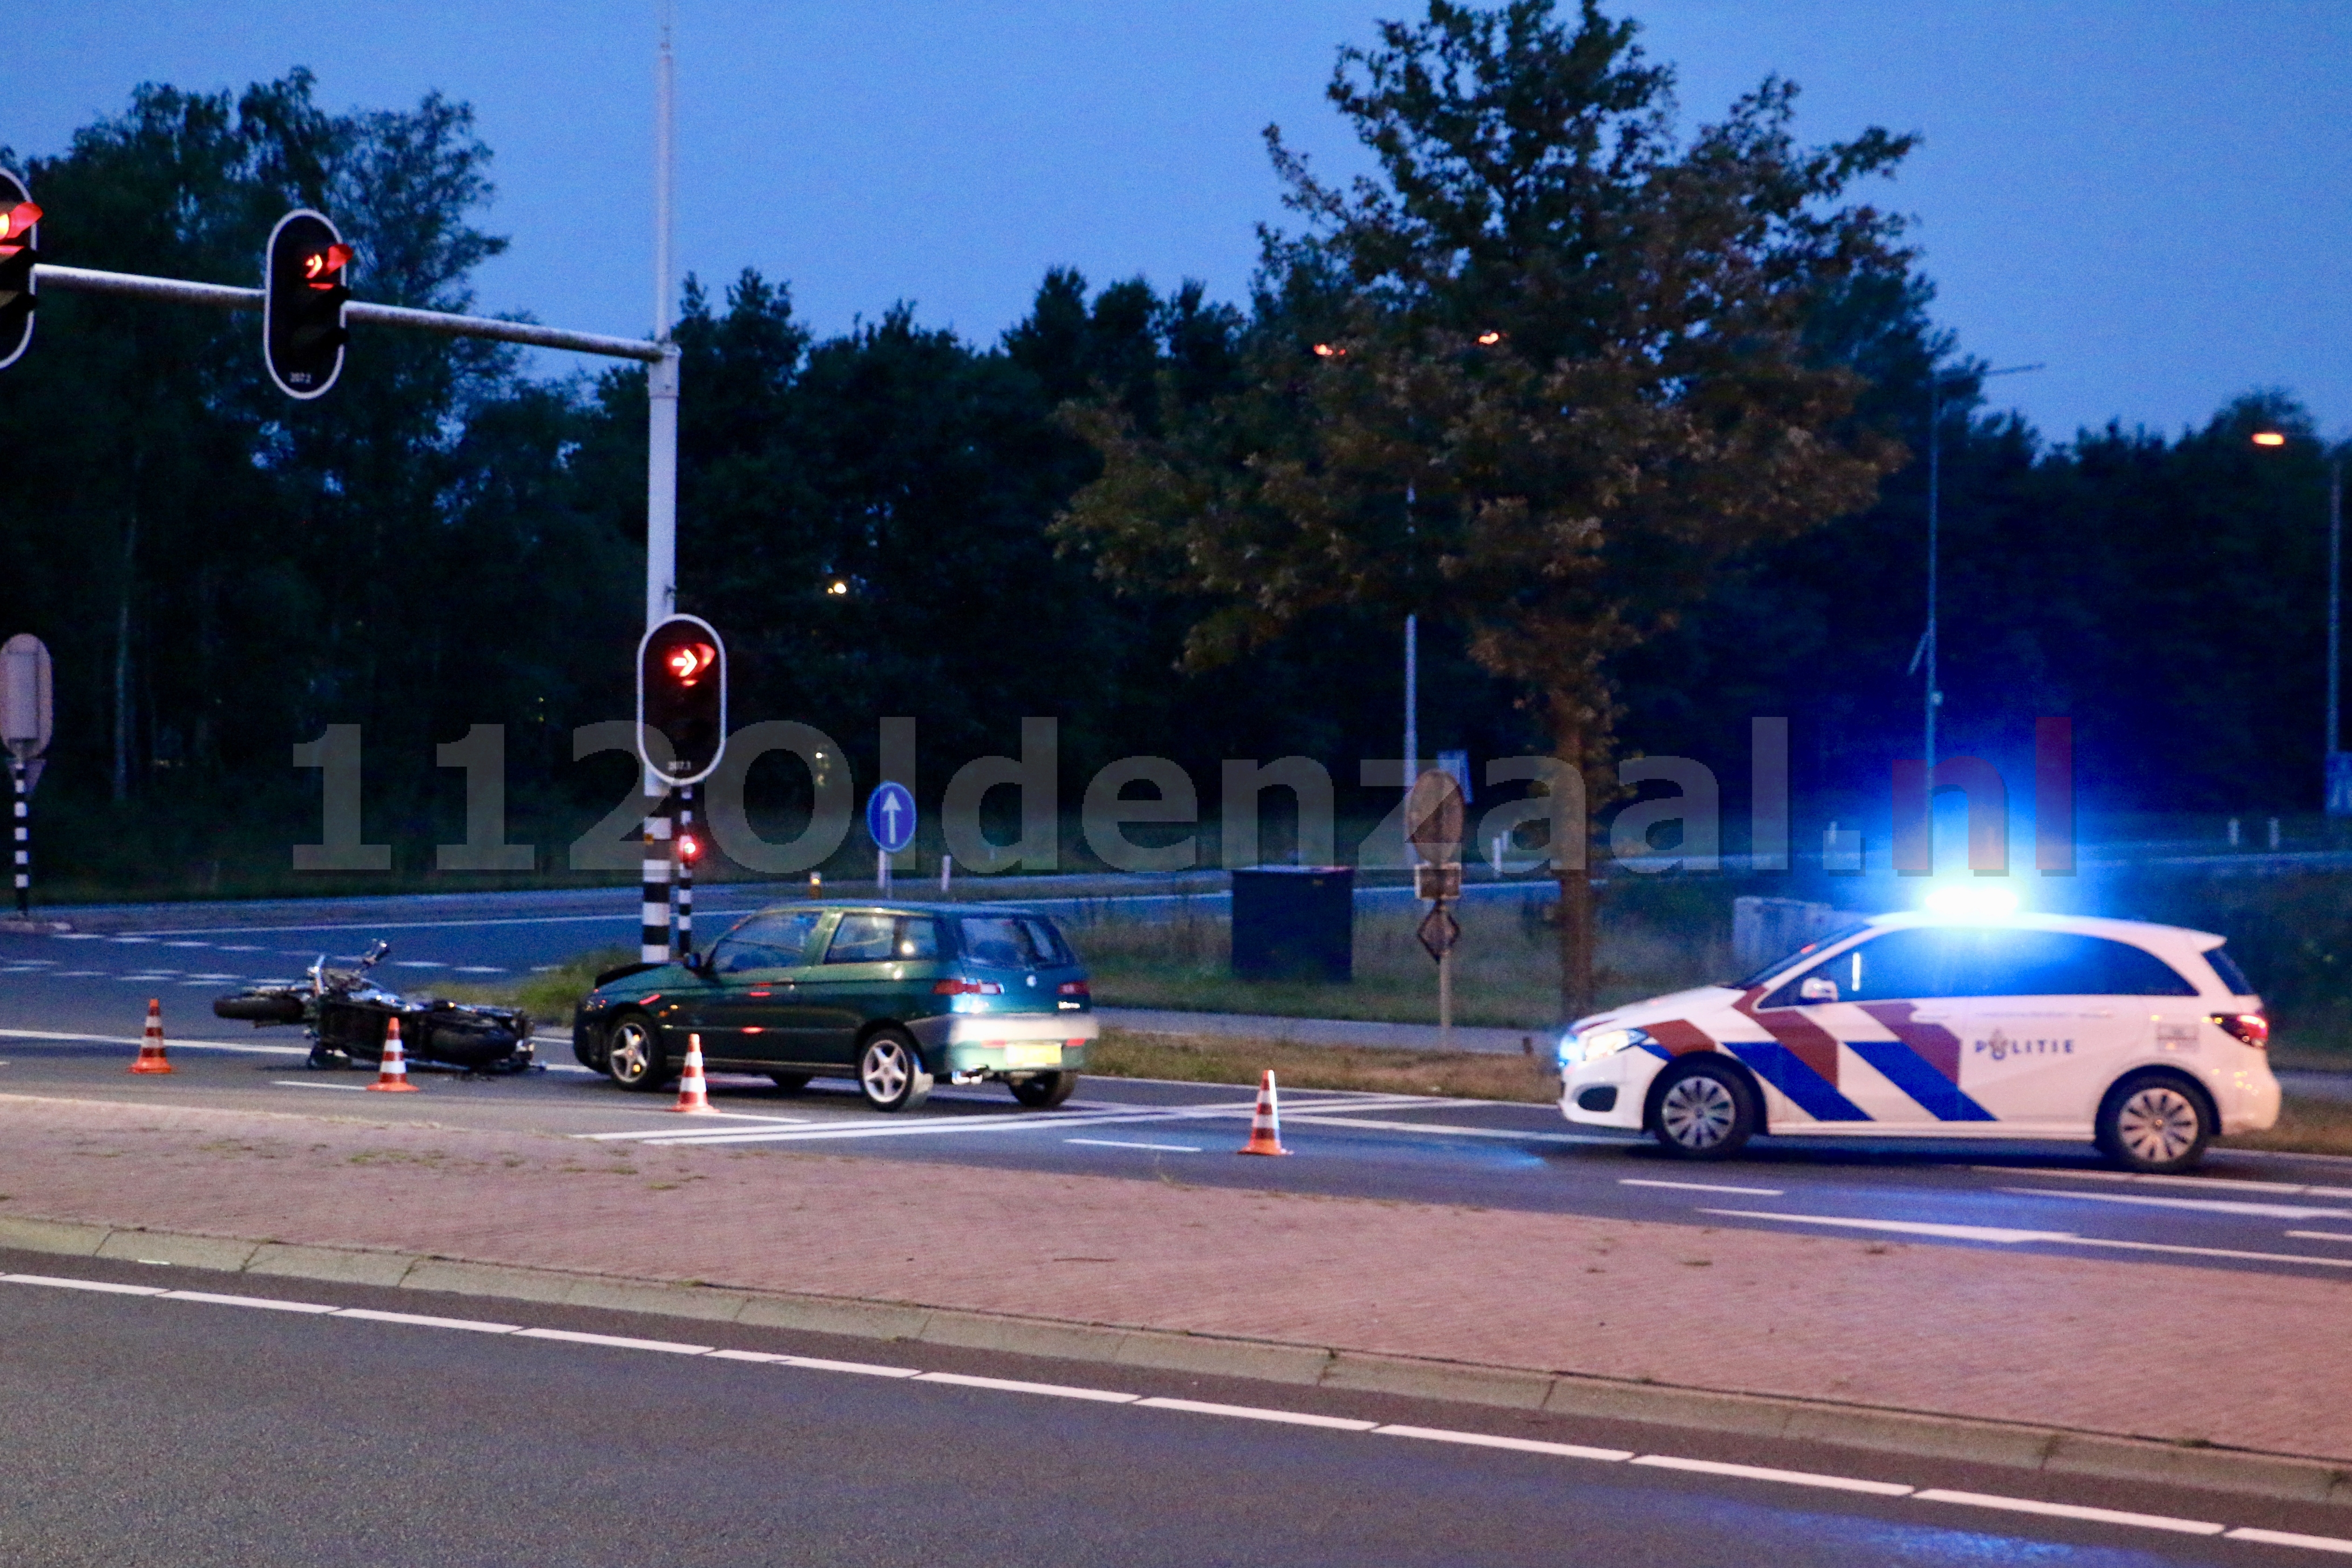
{"x": 1704, "y": 1112}
{"x": 2156, "y": 1124}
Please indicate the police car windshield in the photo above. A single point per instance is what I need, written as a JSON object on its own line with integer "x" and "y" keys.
{"x": 1786, "y": 960}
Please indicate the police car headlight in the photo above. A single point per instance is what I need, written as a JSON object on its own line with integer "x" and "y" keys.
{"x": 1595, "y": 1044}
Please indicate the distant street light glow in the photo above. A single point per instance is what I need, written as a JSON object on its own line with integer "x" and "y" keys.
{"x": 838, "y": 588}
{"x": 1330, "y": 350}
{"x": 2269, "y": 439}
{"x": 1488, "y": 340}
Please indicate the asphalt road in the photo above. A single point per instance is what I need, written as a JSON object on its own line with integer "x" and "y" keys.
{"x": 190, "y": 1419}
{"x": 70, "y": 1012}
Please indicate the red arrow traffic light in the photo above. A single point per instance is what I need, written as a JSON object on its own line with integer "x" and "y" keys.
{"x": 19, "y": 251}
{"x": 303, "y": 296}
{"x": 682, "y": 695}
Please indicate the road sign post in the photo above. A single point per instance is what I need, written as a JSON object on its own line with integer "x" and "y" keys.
{"x": 891, "y": 823}
{"x": 1433, "y": 827}
{"x": 26, "y": 715}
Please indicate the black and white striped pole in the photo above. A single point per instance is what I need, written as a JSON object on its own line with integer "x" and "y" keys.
{"x": 653, "y": 939}
{"x": 687, "y": 843}
{"x": 23, "y": 838}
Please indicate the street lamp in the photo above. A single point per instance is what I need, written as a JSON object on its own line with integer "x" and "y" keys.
{"x": 2338, "y": 765}
{"x": 1927, "y": 649}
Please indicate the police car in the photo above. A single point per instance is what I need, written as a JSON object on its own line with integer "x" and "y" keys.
{"x": 2146, "y": 1039}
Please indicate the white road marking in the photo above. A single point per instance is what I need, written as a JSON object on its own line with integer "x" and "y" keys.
{"x": 480, "y": 969}
{"x": 1521, "y": 1444}
{"x": 1784, "y": 1477}
{"x": 173, "y": 1043}
{"x": 265, "y": 1303}
{"x": 1996, "y": 1233}
{"x": 1124, "y": 1143}
{"x": 187, "y": 945}
{"x": 1239, "y": 1412}
{"x": 2071, "y": 1511}
{"x": 79, "y": 936}
{"x": 104, "y": 1286}
{"x": 1255, "y": 1413}
{"x": 2215, "y": 1183}
{"x": 416, "y": 1320}
{"x": 226, "y": 947}
{"x": 1702, "y": 1187}
{"x": 2200, "y": 1205}
{"x": 615, "y": 1341}
{"x": 305, "y": 1083}
{"x": 2060, "y": 1237}
{"x": 1310, "y": 1118}
{"x": 1009, "y": 1385}
{"x": 418, "y": 963}
{"x": 2305, "y": 1235}
{"x": 2288, "y": 1538}
{"x": 689, "y": 1132}
{"x": 78, "y": 973}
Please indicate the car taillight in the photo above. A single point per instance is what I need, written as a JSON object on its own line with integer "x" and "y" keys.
{"x": 1074, "y": 988}
{"x": 2246, "y": 1028}
{"x": 967, "y": 988}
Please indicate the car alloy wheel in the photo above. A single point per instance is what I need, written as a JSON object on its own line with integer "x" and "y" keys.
{"x": 890, "y": 1072}
{"x": 1704, "y": 1112}
{"x": 633, "y": 1056}
{"x": 2156, "y": 1126}
{"x": 1044, "y": 1090}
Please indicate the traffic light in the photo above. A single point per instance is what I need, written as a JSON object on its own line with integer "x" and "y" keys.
{"x": 20, "y": 234}
{"x": 303, "y": 295}
{"x": 682, "y": 693}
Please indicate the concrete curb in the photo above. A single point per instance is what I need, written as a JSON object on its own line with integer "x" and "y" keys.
{"x": 2016, "y": 1445}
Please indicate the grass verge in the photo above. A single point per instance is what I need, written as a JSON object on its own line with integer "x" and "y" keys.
{"x": 2305, "y": 1126}
{"x": 549, "y": 995}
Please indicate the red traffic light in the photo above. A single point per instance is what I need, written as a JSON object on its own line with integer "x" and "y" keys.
{"x": 323, "y": 269}
{"x": 18, "y": 220}
{"x": 690, "y": 848}
{"x": 689, "y": 662}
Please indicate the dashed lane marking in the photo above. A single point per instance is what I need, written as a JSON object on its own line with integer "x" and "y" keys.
{"x": 2072, "y": 1511}
{"x": 2319, "y": 1235}
{"x": 1127, "y": 1144}
{"x": 2137, "y": 1178}
{"x": 305, "y": 1083}
{"x": 1701, "y": 1187}
{"x": 2198, "y": 1205}
{"x": 1756, "y": 1473}
{"x": 2001, "y": 1236}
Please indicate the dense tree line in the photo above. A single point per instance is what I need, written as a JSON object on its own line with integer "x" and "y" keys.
{"x": 447, "y": 541}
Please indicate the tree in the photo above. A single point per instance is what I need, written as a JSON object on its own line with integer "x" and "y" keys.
{"x": 1544, "y": 376}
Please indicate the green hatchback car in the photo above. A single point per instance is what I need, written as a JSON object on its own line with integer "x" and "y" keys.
{"x": 897, "y": 996}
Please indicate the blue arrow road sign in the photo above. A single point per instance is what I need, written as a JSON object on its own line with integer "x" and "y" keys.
{"x": 890, "y": 817}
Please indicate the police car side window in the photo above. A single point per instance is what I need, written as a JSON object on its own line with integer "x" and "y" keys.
{"x": 2071, "y": 964}
{"x": 1899, "y": 965}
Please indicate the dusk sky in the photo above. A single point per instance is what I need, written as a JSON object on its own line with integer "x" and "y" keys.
{"x": 2143, "y": 195}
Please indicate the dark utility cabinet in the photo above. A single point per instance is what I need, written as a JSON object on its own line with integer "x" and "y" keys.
{"x": 1295, "y": 923}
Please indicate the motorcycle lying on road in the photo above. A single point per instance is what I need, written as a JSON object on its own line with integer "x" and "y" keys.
{"x": 344, "y": 1012}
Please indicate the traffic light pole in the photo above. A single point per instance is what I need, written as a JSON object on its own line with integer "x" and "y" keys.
{"x": 24, "y": 837}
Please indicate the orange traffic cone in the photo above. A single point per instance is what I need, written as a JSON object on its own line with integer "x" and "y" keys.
{"x": 693, "y": 1093}
{"x": 1265, "y": 1122}
{"x": 150, "y": 1047}
{"x": 392, "y": 1068}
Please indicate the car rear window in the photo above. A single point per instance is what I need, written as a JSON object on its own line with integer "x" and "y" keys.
{"x": 1012, "y": 941}
{"x": 2232, "y": 975}
{"x": 1993, "y": 960}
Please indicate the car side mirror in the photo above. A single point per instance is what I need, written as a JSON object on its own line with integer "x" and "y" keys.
{"x": 696, "y": 962}
{"x": 1817, "y": 988}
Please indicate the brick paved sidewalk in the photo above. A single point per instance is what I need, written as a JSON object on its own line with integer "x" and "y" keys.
{"x": 2259, "y": 1361}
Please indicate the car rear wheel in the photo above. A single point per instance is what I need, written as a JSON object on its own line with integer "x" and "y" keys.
{"x": 1044, "y": 1090}
{"x": 633, "y": 1053}
{"x": 890, "y": 1072}
{"x": 2156, "y": 1124}
{"x": 1705, "y": 1111}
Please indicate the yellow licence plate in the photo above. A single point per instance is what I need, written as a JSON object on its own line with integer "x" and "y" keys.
{"x": 1033, "y": 1056}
